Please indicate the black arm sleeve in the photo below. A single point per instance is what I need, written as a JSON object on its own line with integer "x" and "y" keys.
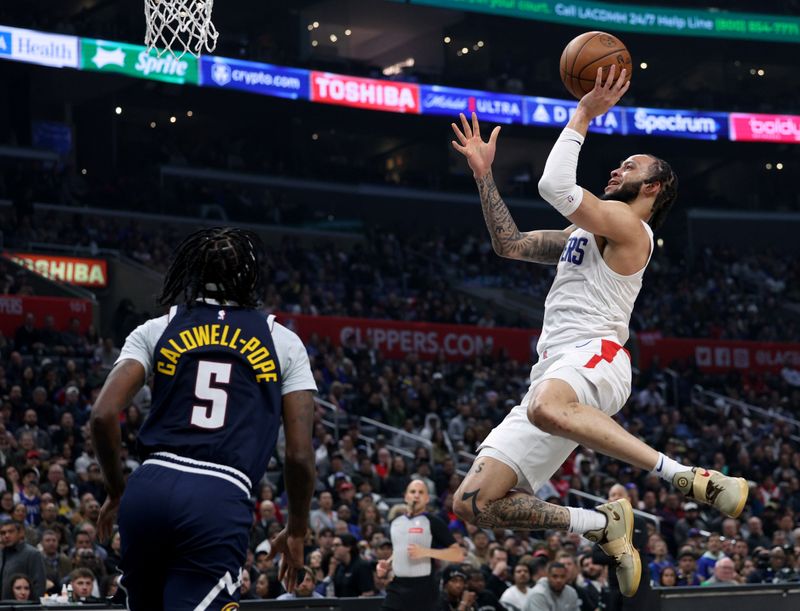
{"x": 441, "y": 537}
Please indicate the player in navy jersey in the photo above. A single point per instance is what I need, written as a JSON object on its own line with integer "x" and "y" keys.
{"x": 225, "y": 376}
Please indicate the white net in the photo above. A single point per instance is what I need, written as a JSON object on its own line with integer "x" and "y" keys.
{"x": 180, "y": 26}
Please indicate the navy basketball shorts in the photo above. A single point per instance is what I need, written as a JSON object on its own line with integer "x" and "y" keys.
{"x": 184, "y": 538}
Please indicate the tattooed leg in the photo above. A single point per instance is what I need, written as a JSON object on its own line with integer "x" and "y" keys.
{"x": 519, "y": 511}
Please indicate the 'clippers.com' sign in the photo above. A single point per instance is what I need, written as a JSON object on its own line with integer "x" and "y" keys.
{"x": 367, "y": 93}
{"x": 74, "y": 270}
{"x": 396, "y": 339}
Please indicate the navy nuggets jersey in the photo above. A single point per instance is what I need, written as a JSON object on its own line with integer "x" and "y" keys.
{"x": 217, "y": 389}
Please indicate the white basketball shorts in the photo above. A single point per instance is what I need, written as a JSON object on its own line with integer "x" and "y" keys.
{"x": 599, "y": 372}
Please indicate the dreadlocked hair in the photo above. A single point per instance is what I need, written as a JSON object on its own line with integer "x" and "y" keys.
{"x": 661, "y": 172}
{"x": 220, "y": 263}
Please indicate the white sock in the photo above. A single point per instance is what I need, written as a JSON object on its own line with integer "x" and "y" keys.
{"x": 584, "y": 520}
{"x": 666, "y": 468}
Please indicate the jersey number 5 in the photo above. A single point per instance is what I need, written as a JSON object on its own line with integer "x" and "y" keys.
{"x": 208, "y": 373}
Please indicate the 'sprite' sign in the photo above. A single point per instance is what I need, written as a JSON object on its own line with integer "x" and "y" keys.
{"x": 366, "y": 93}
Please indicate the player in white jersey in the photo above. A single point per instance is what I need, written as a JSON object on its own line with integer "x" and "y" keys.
{"x": 583, "y": 376}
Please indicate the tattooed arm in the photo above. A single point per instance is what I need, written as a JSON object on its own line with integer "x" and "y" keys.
{"x": 543, "y": 246}
{"x": 507, "y": 240}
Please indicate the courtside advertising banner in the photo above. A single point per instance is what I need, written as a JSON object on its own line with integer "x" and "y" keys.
{"x": 720, "y": 356}
{"x": 551, "y": 112}
{"x": 367, "y": 93}
{"x": 254, "y": 77}
{"x": 72, "y": 270}
{"x": 396, "y": 339}
{"x": 135, "y": 61}
{"x": 677, "y": 123}
{"x": 752, "y": 127}
{"x": 680, "y": 21}
{"x": 449, "y": 101}
{"x": 40, "y": 48}
{"x": 13, "y": 309}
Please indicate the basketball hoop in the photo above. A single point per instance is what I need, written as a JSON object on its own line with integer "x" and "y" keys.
{"x": 180, "y": 26}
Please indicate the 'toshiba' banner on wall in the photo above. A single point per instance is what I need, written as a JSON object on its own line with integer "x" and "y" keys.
{"x": 74, "y": 270}
{"x": 398, "y": 339}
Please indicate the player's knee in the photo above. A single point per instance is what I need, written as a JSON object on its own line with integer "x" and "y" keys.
{"x": 547, "y": 415}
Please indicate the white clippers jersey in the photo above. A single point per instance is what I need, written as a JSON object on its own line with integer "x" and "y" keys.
{"x": 588, "y": 300}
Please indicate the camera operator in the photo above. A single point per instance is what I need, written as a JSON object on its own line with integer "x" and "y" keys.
{"x": 771, "y": 567}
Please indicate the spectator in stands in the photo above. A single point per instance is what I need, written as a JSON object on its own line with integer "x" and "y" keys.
{"x": 515, "y": 598}
{"x": 661, "y": 559}
{"x": 398, "y": 479}
{"x": 352, "y": 575}
{"x": 107, "y": 354}
{"x": 690, "y": 520}
{"x": 756, "y": 537}
{"x": 711, "y": 557}
{"x": 246, "y": 589}
{"x": 305, "y": 589}
{"x": 84, "y": 586}
{"x": 56, "y": 565}
{"x": 591, "y": 580}
{"x": 687, "y": 568}
{"x": 551, "y": 593}
{"x": 724, "y": 574}
{"x": 668, "y": 577}
{"x": 26, "y": 337}
{"x": 455, "y": 595}
{"x": 497, "y": 572}
{"x": 20, "y": 557}
{"x": 21, "y": 588}
{"x": 258, "y": 532}
{"x": 485, "y": 600}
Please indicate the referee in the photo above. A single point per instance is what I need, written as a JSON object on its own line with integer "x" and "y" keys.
{"x": 417, "y": 539}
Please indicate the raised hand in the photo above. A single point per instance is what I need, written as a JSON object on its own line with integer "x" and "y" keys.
{"x": 604, "y": 95}
{"x": 479, "y": 154}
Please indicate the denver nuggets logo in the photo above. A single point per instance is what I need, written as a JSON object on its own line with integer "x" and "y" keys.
{"x": 230, "y": 607}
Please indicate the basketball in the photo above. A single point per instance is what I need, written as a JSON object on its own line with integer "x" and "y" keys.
{"x": 585, "y": 54}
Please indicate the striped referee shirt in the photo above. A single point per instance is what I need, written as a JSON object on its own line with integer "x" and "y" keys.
{"x": 423, "y": 530}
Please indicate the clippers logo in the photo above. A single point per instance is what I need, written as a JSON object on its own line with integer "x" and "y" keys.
{"x": 221, "y": 74}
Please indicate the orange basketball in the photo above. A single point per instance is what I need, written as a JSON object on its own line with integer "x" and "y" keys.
{"x": 588, "y": 52}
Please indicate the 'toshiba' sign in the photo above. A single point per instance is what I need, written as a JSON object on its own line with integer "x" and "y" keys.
{"x": 74, "y": 270}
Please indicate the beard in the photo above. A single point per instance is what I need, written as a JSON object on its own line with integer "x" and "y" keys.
{"x": 626, "y": 192}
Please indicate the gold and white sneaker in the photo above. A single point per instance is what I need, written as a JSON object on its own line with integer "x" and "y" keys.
{"x": 616, "y": 540}
{"x": 728, "y": 494}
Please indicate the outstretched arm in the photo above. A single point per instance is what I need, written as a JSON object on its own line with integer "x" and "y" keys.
{"x": 507, "y": 240}
{"x": 558, "y": 185}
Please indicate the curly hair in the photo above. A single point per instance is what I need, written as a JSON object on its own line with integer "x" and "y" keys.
{"x": 661, "y": 172}
{"x": 220, "y": 263}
